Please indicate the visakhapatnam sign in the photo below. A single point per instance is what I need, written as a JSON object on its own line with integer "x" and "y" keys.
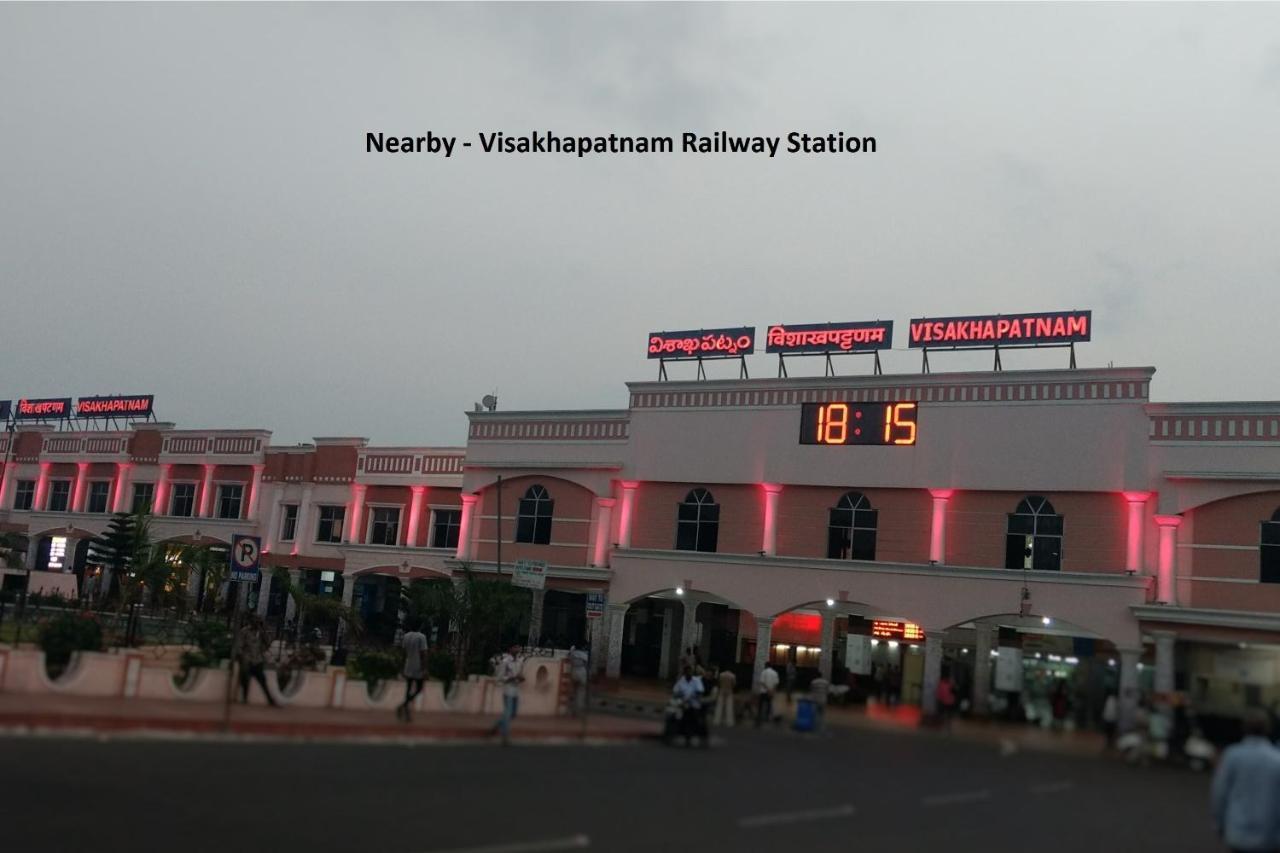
{"x": 993, "y": 330}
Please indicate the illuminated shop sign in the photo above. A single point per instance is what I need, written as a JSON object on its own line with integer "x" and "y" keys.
{"x": 892, "y": 630}
{"x": 830, "y": 337}
{"x": 115, "y": 406}
{"x": 988, "y": 330}
{"x": 703, "y": 343}
{"x": 48, "y": 407}
{"x": 838, "y": 424}
{"x": 57, "y": 553}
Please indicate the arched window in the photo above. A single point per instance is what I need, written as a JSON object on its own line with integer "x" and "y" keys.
{"x": 1271, "y": 549}
{"x": 697, "y": 522}
{"x": 1034, "y": 540}
{"x": 533, "y": 523}
{"x": 851, "y": 531}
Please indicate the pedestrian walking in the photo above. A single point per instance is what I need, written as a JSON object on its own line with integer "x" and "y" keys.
{"x": 579, "y": 660}
{"x": 1246, "y": 790}
{"x": 1110, "y": 718}
{"x": 253, "y": 658}
{"x": 819, "y": 693}
{"x": 688, "y": 692}
{"x": 945, "y": 696}
{"x": 725, "y": 685}
{"x": 414, "y": 643}
{"x": 507, "y": 674}
{"x": 764, "y": 694}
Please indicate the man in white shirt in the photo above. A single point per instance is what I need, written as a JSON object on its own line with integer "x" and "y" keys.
{"x": 507, "y": 674}
{"x": 689, "y": 690}
{"x": 1246, "y": 790}
{"x": 579, "y": 660}
{"x": 415, "y": 669}
{"x": 765, "y": 690}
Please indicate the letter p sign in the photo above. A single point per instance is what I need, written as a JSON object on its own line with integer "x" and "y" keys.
{"x": 245, "y": 551}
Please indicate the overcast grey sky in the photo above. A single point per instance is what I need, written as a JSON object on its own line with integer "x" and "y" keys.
{"x": 188, "y": 208}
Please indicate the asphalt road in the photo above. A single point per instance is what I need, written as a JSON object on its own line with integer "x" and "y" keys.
{"x": 756, "y": 791}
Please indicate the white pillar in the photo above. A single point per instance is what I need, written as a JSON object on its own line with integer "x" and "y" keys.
{"x": 255, "y": 488}
{"x": 415, "y": 515}
{"x": 827, "y": 654}
{"x": 271, "y": 536}
{"x": 348, "y": 597}
{"x": 161, "y": 496}
{"x": 689, "y": 625}
{"x": 769, "y": 542}
{"x": 603, "y": 531}
{"x": 938, "y": 529}
{"x": 41, "y": 503}
{"x": 980, "y": 701}
{"x": 7, "y": 477}
{"x": 1166, "y": 578}
{"x": 1129, "y": 688}
{"x": 535, "y": 615}
{"x": 627, "y": 513}
{"x": 664, "y": 652}
{"x": 764, "y": 640}
{"x": 467, "y": 526}
{"x": 932, "y": 672}
{"x": 1133, "y": 559}
{"x": 617, "y": 623}
{"x": 596, "y": 636}
{"x": 123, "y": 481}
{"x": 304, "y": 534}
{"x": 1165, "y": 641}
{"x": 79, "y": 487}
{"x": 291, "y": 606}
{"x": 206, "y": 493}
{"x": 355, "y": 510}
{"x": 264, "y": 592}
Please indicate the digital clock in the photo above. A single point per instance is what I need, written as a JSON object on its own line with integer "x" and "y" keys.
{"x": 889, "y": 424}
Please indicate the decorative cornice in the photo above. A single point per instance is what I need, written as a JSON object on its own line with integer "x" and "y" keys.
{"x": 1246, "y": 620}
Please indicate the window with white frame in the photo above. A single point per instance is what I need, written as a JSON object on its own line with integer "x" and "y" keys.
{"x": 144, "y": 496}
{"x": 99, "y": 495}
{"x": 182, "y": 500}
{"x": 289, "y": 523}
{"x": 25, "y": 495}
{"x": 384, "y": 525}
{"x": 1270, "y": 547}
{"x": 59, "y": 495}
{"x": 230, "y": 496}
{"x": 329, "y": 523}
{"x": 445, "y": 524}
{"x": 533, "y": 522}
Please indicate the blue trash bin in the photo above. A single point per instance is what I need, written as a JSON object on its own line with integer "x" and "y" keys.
{"x": 806, "y": 715}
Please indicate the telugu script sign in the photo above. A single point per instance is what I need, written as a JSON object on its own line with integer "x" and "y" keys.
{"x": 990, "y": 330}
{"x": 703, "y": 343}
{"x": 830, "y": 337}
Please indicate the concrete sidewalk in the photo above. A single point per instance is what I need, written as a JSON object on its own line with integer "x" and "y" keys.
{"x": 22, "y": 712}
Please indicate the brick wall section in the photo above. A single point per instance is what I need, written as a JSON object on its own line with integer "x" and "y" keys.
{"x": 741, "y": 515}
{"x": 570, "y": 524}
{"x": 1095, "y": 527}
{"x": 902, "y": 534}
{"x": 1232, "y": 522}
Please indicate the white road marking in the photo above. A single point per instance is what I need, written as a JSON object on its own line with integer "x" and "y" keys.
{"x": 1052, "y": 787}
{"x": 780, "y": 818}
{"x": 573, "y": 842}
{"x": 956, "y": 799}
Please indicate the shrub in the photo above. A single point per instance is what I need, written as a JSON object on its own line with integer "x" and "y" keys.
{"x": 442, "y": 667}
{"x": 213, "y": 638}
{"x": 67, "y": 633}
{"x": 375, "y": 665}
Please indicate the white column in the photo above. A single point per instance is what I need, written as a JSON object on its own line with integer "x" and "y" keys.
{"x": 264, "y": 592}
{"x": 291, "y": 606}
{"x": 468, "y": 525}
{"x": 827, "y": 655}
{"x": 1133, "y": 559}
{"x": 981, "y": 670}
{"x": 206, "y": 493}
{"x": 938, "y": 530}
{"x": 8, "y": 476}
{"x": 689, "y": 625}
{"x": 769, "y": 542}
{"x": 596, "y": 636}
{"x": 355, "y": 512}
{"x": 1129, "y": 689}
{"x": 255, "y": 487}
{"x": 348, "y": 597}
{"x": 664, "y": 652}
{"x": 304, "y": 534}
{"x": 764, "y": 640}
{"x": 932, "y": 672}
{"x": 161, "y": 496}
{"x": 1166, "y": 578}
{"x": 123, "y": 479}
{"x": 79, "y": 487}
{"x": 41, "y": 502}
{"x": 617, "y": 623}
{"x": 415, "y": 515}
{"x": 627, "y": 513}
{"x": 271, "y": 536}
{"x": 603, "y": 531}
{"x": 1165, "y": 641}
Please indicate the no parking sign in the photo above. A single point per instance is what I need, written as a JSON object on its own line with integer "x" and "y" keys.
{"x": 245, "y": 553}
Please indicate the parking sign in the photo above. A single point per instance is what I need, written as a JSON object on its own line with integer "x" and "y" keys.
{"x": 245, "y": 553}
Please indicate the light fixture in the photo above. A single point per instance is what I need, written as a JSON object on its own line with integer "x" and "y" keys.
{"x": 1046, "y": 620}
{"x": 1111, "y": 661}
{"x": 679, "y": 590}
{"x": 874, "y": 642}
{"x": 831, "y": 602}
{"x": 1073, "y": 660}
{"x": 964, "y": 651}
{"x": 1037, "y": 656}
{"x": 893, "y": 644}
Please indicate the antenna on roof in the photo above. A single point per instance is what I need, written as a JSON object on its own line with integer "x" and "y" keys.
{"x": 490, "y": 402}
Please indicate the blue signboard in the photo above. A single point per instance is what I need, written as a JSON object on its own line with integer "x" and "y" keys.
{"x": 245, "y": 553}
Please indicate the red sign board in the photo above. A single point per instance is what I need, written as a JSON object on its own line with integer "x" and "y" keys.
{"x": 42, "y": 409}
{"x": 991, "y": 330}
{"x": 830, "y": 337}
{"x": 115, "y": 406}
{"x": 893, "y": 630}
{"x": 703, "y": 343}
